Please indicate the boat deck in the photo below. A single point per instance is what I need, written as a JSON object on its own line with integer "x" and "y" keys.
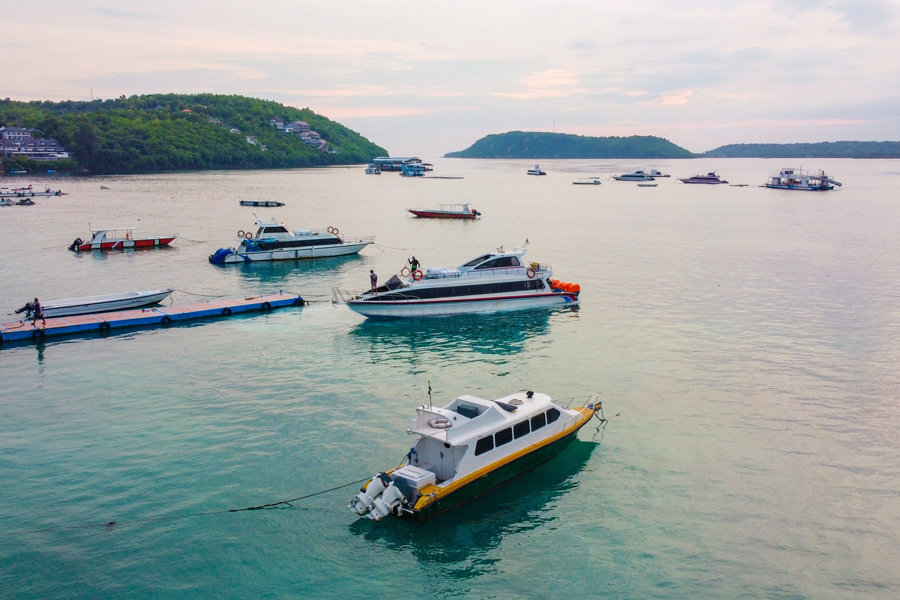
{"x": 160, "y": 315}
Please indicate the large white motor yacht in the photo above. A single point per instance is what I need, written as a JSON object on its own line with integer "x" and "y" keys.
{"x": 495, "y": 281}
{"x": 273, "y": 241}
{"x": 636, "y": 176}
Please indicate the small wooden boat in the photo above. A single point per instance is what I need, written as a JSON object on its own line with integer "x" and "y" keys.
{"x": 104, "y": 303}
{"x": 268, "y": 203}
{"x": 469, "y": 447}
{"x": 587, "y": 181}
{"x": 119, "y": 239}
{"x": 446, "y": 211}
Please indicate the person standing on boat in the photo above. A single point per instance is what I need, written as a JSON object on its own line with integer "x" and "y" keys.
{"x": 373, "y": 278}
{"x": 38, "y": 313}
{"x": 413, "y": 264}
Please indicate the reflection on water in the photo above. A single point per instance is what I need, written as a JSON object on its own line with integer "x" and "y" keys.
{"x": 457, "y": 542}
{"x": 278, "y": 271}
{"x": 445, "y": 338}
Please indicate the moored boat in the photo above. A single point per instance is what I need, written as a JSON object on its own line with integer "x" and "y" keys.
{"x": 710, "y": 178}
{"x": 495, "y": 281}
{"x": 119, "y": 238}
{"x": 587, "y": 181}
{"x": 636, "y": 176}
{"x": 102, "y": 303}
{"x": 21, "y": 192}
{"x": 412, "y": 170}
{"x": 6, "y": 202}
{"x": 273, "y": 241}
{"x": 797, "y": 179}
{"x": 373, "y": 170}
{"x": 446, "y": 211}
{"x": 536, "y": 171}
{"x": 655, "y": 173}
{"x": 266, "y": 203}
{"x": 469, "y": 447}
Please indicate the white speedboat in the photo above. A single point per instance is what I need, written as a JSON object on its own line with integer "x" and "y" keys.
{"x": 536, "y": 171}
{"x": 470, "y": 446}
{"x": 709, "y": 179}
{"x": 104, "y": 303}
{"x": 273, "y": 241}
{"x": 796, "y": 179}
{"x": 636, "y": 176}
{"x": 494, "y": 281}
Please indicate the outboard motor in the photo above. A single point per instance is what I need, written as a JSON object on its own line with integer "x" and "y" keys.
{"x": 380, "y": 499}
{"x": 219, "y": 257}
{"x": 78, "y": 242}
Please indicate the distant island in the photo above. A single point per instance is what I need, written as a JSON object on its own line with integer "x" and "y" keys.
{"x": 172, "y": 132}
{"x": 818, "y": 150}
{"x": 540, "y": 145}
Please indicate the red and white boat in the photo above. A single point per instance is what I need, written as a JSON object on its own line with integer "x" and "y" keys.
{"x": 119, "y": 239}
{"x": 446, "y": 211}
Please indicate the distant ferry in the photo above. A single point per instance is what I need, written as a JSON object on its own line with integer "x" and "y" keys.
{"x": 394, "y": 163}
{"x": 710, "y": 178}
{"x": 796, "y": 179}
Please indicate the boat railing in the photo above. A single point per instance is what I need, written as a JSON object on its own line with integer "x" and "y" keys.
{"x": 585, "y": 400}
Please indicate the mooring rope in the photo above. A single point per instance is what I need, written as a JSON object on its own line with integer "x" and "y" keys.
{"x": 111, "y": 524}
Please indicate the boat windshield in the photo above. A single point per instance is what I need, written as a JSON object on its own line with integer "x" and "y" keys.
{"x": 474, "y": 262}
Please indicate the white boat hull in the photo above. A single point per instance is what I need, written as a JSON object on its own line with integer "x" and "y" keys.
{"x": 296, "y": 253}
{"x": 107, "y": 303}
{"x": 455, "y": 307}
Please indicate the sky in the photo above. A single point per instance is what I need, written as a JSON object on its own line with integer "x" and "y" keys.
{"x": 426, "y": 78}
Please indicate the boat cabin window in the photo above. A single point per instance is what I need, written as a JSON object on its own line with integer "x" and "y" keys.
{"x": 278, "y": 229}
{"x": 552, "y": 415}
{"x": 538, "y": 421}
{"x": 497, "y": 263}
{"x": 474, "y": 262}
{"x": 521, "y": 429}
{"x": 504, "y": 287}
{"x": 504, "y": 436}
{"x": 483, "y": 445}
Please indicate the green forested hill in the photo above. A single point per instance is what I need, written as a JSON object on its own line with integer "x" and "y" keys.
{"x": 152, "y": 133}
{"x": 537, "y": 145}
{"x": 817, "y": 150}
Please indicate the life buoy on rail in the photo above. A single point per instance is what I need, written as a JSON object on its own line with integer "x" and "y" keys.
{"x": 404, "y": 272}
{"x": 240, "y": 233}
{"x": 417, "y": 274}
{"x": 330, "y": 229}
{"x": 335, "y": 231}
{"x": 248, "y": 235}
{"x": 531, "y": 273}
{"x": 439, "y": 424}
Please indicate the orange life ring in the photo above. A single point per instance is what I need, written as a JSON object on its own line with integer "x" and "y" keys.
{"x": 417, "y": 274}
{"x": 240, "y": 233}
{"x": 248, "y": 235}
{"x": 531, "y": 273}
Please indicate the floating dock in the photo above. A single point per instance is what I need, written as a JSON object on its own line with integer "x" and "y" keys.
{"x": 159, "y": 315}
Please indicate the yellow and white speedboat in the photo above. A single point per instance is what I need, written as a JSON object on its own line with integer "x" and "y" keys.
{"x": 469, "y": 447}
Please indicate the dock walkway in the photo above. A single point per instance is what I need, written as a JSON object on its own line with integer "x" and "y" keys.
{"x": 158, "y": 315}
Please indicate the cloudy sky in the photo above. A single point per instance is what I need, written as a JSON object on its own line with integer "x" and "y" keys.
{"x": 431, "y": 77}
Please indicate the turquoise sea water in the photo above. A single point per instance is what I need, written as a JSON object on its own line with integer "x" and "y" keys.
{"x": 746, "y": 342}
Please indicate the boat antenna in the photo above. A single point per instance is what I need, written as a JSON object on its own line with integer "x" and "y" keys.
{"x": 429, "y": 394}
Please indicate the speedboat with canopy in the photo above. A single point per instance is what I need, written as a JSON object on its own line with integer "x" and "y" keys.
{"x": 119, "y": 238}
{"x": 470, "y": 446}
{"x": 495, "y": 281}
{"x": 273, "y": 241}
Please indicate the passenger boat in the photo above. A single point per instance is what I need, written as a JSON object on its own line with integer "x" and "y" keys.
{"x": 21, "y": 192}
{"x": 796, "y": 179}
{"x": 446, "y": 211}
{"x": 373, "y": 170}
{"x": 412, "y": 170}
{"x": 587, "y": 181}
{"x": 655, "y": 173}
{"x": 636, "y": 176}
{"x": 469, "y": 447}
{"x": 494, "y": 281}
{"x": 119, "y": 239}
{"x": 710, "y": 178}
{"x": 25, "y": 202}
{"x": 267, "y": 203}
{"x": 273, "y": 241}
{"x": 536, "y": 171}
{"x": 104, "y": 303}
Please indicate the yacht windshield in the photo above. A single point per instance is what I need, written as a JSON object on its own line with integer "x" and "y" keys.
{"x": 472, "y": 263}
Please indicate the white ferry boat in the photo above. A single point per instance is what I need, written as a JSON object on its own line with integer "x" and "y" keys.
{"x": 797, "y": 179}
{"x": 536, "y": 171}
{"x": 470, "y": 446}
{"x": 708, "y": 179}
{"x": 492, "y": 282}
{"x": 273, "y": 241}
{"x": 636, "y": 176}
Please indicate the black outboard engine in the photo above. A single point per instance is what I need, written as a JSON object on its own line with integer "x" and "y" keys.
{"x": 76, "y": 244}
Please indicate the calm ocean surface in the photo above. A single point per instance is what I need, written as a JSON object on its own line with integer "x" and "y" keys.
{"x": 747, "y": 340}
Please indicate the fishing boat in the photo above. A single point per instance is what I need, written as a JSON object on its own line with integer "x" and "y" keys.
{"x": 470, "y": 446}
{"x": 373, "y": 170}
{"x": 104, "y": 303}
{"x": 587, "y": 181}
{"x": 647, "y": 184}
{"x": 636, "y": 176}
{"x": 710, "y": 178}
{"x": 446, "y": 211}
{"x": 495, "y": 281}
{"x": 655, "y": 173}
{"x": 119, "y": 238}
{"x": 273, "y": 241}
{"x": 797, "y": 179}
{"x": 536, "y": 171}
{"x": 266, "y": 203}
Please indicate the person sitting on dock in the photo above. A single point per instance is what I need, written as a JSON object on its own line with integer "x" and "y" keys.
{"x": 373, "y": 278}
{"x": 27, "y": 309}
{"x": 38, "y": 314}
{"x": 413, "y": 264}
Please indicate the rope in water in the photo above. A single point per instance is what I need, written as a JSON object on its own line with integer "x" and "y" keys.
{"x": 111, "y": 524}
